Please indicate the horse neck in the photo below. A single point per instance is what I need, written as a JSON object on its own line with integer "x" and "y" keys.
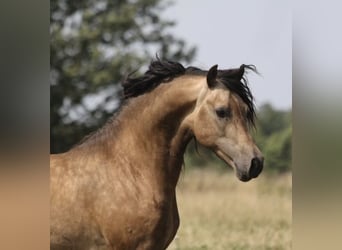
{"x": 160, "y": 127}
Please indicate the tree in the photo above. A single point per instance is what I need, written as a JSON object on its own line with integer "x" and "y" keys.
{"x": 271, "y": 120}
{"x": 277, "y": 151}
{"x": 274, "y": 137}
{"x": 93, "y": 46}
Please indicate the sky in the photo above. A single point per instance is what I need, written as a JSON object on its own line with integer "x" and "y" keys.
{"x": 231, "y": 33}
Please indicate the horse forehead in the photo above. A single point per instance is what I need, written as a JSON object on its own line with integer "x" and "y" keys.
{"x": 237, "y": 103}
{"x": 219, "y": 97}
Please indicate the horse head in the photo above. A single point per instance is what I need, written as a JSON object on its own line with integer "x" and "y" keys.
{"x": 222, "y": 120}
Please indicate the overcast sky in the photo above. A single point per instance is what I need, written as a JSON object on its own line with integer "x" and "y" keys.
{"x": 230, "y": 33}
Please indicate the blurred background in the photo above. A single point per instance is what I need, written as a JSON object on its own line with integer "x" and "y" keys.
{"x": 94, "y": 45}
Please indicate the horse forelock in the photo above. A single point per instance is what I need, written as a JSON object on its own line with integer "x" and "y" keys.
{"x": 236, "y": 81}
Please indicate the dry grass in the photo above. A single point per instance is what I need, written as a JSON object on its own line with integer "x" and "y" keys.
{"x": 219, "y": 212}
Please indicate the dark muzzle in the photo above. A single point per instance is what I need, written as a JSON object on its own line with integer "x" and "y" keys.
{"x": 256, "y": 167}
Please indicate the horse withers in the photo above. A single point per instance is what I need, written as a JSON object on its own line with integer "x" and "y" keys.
{"x": 116, "y": 189}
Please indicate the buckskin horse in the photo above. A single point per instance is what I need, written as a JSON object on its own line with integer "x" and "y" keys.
{"x": 116, "y": 189}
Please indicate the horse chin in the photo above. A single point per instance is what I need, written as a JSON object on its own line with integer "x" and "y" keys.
{"x": 241, "y": 175}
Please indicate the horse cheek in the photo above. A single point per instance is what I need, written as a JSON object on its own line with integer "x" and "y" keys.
{"x": 205, "y": 129}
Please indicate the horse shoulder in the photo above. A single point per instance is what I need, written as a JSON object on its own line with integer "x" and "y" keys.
{"x": 149, "y": 223}
{"x": 70, "y": 207}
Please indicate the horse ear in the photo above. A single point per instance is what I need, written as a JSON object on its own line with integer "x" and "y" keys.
{"x": 211, "y": 76}
{"x": 240, "y": 72}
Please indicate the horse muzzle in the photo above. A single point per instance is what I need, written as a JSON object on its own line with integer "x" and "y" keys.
{"x": 257, "y": 164}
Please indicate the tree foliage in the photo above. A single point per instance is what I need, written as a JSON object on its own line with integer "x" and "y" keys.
{"x": 93, "y": 46}
{"x": 274, "y": 136}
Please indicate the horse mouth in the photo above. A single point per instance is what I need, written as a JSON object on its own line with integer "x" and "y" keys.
{"x": 226, "y": 158}
{"x": 242, "y": 176}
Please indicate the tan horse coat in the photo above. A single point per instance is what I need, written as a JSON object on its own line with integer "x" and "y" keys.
{"x": 116, "y": 190}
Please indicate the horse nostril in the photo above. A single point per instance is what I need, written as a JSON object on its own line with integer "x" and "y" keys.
{"x": 256, "y": 167}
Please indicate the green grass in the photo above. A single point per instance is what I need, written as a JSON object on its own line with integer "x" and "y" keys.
{"x": 219, "y": 212}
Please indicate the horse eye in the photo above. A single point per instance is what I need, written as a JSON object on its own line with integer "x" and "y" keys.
{"x": 222, "y": 112}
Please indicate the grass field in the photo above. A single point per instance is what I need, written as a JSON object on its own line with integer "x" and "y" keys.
{"x": 221, "y": 213}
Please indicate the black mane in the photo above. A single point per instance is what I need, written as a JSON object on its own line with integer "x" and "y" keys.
{"x": 158, "y": 72}
{"x": 164, "y": 71}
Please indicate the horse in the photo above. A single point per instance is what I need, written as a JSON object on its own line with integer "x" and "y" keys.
{"x": 117, "y": 188}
